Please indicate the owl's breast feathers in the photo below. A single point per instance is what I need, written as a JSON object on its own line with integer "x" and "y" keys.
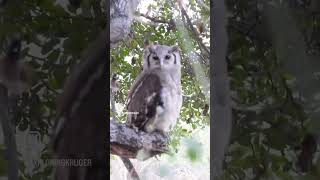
{"x": 146, "y": 98}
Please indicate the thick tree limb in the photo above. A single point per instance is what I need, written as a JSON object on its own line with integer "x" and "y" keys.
{"x": 126, "y": 142}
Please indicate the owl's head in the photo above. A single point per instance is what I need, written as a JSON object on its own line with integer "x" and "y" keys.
{"x": 162, "y": 56}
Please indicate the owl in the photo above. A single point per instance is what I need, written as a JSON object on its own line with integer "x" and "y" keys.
{"x": 155, "y": 99}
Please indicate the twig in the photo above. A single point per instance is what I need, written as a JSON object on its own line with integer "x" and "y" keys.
{"x": 195, "y": 34}
{"x": 154, "y": 19}
{"x": 170, "y": 23}
{"x": 133, "y": 173}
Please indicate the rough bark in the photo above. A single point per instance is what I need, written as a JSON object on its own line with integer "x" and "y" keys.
{"x": 126, "y": 142}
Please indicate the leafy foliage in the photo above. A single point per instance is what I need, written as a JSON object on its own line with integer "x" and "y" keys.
{"x": 270, "y": 119}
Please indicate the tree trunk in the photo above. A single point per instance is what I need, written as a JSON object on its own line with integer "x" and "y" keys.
{"x": 221, "y": 100}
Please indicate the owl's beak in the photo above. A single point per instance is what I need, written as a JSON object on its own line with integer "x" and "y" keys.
{"x": 161, "y": 64}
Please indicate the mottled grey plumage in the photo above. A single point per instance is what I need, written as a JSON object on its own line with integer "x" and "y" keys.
{"x": 155, "y": 99}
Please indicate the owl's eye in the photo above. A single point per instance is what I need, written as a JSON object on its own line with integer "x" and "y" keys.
{"x": 167, "y": 57}
{"x": 155, "y": 57}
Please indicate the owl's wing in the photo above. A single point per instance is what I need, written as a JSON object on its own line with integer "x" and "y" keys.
{"x": 144, "y": 98}
{"x": 137, "y": 81}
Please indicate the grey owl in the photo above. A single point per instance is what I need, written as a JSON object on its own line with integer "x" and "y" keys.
{"x": 155, "y": 98}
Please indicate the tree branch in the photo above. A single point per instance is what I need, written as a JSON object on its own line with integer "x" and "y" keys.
{"x": 154, "y": 19}
{"x": 195, "y": 34}
{"x": 132, "y": 171}
{"x": 172, "y": 24}
{"x": 77, "y": 136}
{"x": 126, "y": 142}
